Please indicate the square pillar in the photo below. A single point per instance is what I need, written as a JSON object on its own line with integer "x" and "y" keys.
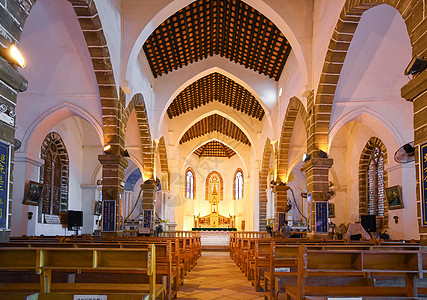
{"x": 113, "y": 167}
{"x": 317, "y": 176}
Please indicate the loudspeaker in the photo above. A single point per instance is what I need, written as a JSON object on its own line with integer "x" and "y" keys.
{"x": 75, "y": 218}
{"x": 417, "y": 65}
{"x": 369, "y": 223}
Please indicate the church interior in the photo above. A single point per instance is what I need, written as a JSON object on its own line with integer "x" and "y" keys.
{"x": 211, "y": 124}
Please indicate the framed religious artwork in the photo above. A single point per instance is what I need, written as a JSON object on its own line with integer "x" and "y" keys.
{"x": 33, "y": 193}
{"x": 394, "y": 197}
{"x": 331, "y": 210}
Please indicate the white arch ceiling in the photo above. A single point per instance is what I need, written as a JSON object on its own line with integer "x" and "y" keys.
{"x": 259, "y": 5}
{"x": 205, "y": 73}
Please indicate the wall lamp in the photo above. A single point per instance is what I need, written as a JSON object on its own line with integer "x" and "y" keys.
{"x": 306, "y": 157}
{"x": 13, "y": 56}
{"x": 107, "y": 149}
{"x": 416, "y": 66}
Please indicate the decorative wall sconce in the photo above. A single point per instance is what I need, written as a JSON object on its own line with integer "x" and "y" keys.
{"x": 306, "y": 157}
{"x": 107, "y": 149}
{"x": 30, "y": 215}
{"x": 13, "y": 56}
{"x": 396, "y": 219}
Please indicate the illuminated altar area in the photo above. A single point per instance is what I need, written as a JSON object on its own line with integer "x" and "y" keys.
{"x": 214, "y": 195}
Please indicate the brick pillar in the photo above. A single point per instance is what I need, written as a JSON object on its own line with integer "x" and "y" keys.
{"x": 113, "y": 167}
{"x": 317, "y": 176}
{"x": 414, "y": 91}
{"x": 148, "y": 195}
{"x": 280, "y": 202}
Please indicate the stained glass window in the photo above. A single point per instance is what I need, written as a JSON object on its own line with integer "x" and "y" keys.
{"x": 375, "y": 182}
{"x": 238, "y": 185}
{"x": 189, "y": 184}
{"x": 54, "y": 175}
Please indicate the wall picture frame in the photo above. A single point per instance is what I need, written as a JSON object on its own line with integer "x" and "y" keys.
{"x": 33, "y": 193}
{"x": 331, "y": 210}
{"x": 394, "y": 197}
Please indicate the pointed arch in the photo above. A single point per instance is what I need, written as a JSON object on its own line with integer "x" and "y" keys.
{"x": 221, "y": 185}
{"x": 263, "y": 184}
{"x": 364, "y": 167}
{"x": 190, "y": 183}
{"x": 238, "y": 184}
{"x": 163, "y": 155}
{"x": 54, "y": 174}
{"x": 112, "y": 103}
{"x": 295, "y": 107}
{"x": 137, "y": 103}
{"x": 337, "y": 52}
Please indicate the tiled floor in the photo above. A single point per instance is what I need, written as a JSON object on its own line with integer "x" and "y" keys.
{"x": 216, "y": 276}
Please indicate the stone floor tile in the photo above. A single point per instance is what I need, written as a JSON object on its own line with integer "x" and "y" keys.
{"x": 217, "y": 277}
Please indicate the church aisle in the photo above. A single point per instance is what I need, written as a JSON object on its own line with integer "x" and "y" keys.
{"x": 216, "y": 276}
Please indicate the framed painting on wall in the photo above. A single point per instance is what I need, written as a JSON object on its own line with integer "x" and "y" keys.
{"x": 394, "y": 197}
{"x": 33, "y": 194}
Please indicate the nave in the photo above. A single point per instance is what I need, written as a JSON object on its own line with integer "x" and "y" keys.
{"x": 216, "y": 276}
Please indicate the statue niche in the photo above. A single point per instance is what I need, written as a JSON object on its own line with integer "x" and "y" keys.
{"x": 214, "y": 195}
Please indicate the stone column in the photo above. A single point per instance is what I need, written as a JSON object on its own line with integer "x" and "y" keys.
{"x": 113, "y": 167}
{"x": 414, "y": 91}
{"x": 148, "y": 195}
{"x": 281, "y": 202}
{"x": 317, "y": 176}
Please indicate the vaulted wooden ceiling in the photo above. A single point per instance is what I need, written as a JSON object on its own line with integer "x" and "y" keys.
{"x": 215, "y": 123}
{"x": 214, "y": 149}
{"x": 216, "y": 87}
{"x": 228, "y": 28}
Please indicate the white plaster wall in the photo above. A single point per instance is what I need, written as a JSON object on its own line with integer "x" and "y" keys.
{"x": 298, "y": 144}
{"x": 59, "y": 73}
{"x": 133, "y": 140}
{"x": 168, "y": 86}
{"x": 346, "y": 149}
{"x": 297, "y": 182}
{"x": 252, "y": 127}
{"x": 377, "y": 56}
{"x": 111, "y": 19}
{"x": 325, "y": 15}
{"x": 73, "y": 140}
{"x": 291, "y": 83}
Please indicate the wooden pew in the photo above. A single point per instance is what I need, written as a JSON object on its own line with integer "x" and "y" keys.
{"x": 167, "y": 263}
{"x": 325, "y": 269}
{"x": 106, "y": 262}
{"x": 275, "y": 282}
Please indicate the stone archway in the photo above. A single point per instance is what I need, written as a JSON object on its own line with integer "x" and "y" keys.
{"x": 263, "y": 184}
{"x": 295, "y": 107}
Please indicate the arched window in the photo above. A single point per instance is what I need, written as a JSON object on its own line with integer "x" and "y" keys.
{"x": 375, "y": 183}
{"x": 54, "y": 175}
{"x": 238, "y": 185}
{"x": 372, "y": 181}
{"x": 189, "y": 184}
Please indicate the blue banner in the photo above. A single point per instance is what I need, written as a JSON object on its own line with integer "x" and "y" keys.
{"x": 322, "y": 217}
{"x": 4, "y": 182}
{"x": 146, "y": 221}
{"x": 109, "y": 216}
{"x": 423, "y": 183}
